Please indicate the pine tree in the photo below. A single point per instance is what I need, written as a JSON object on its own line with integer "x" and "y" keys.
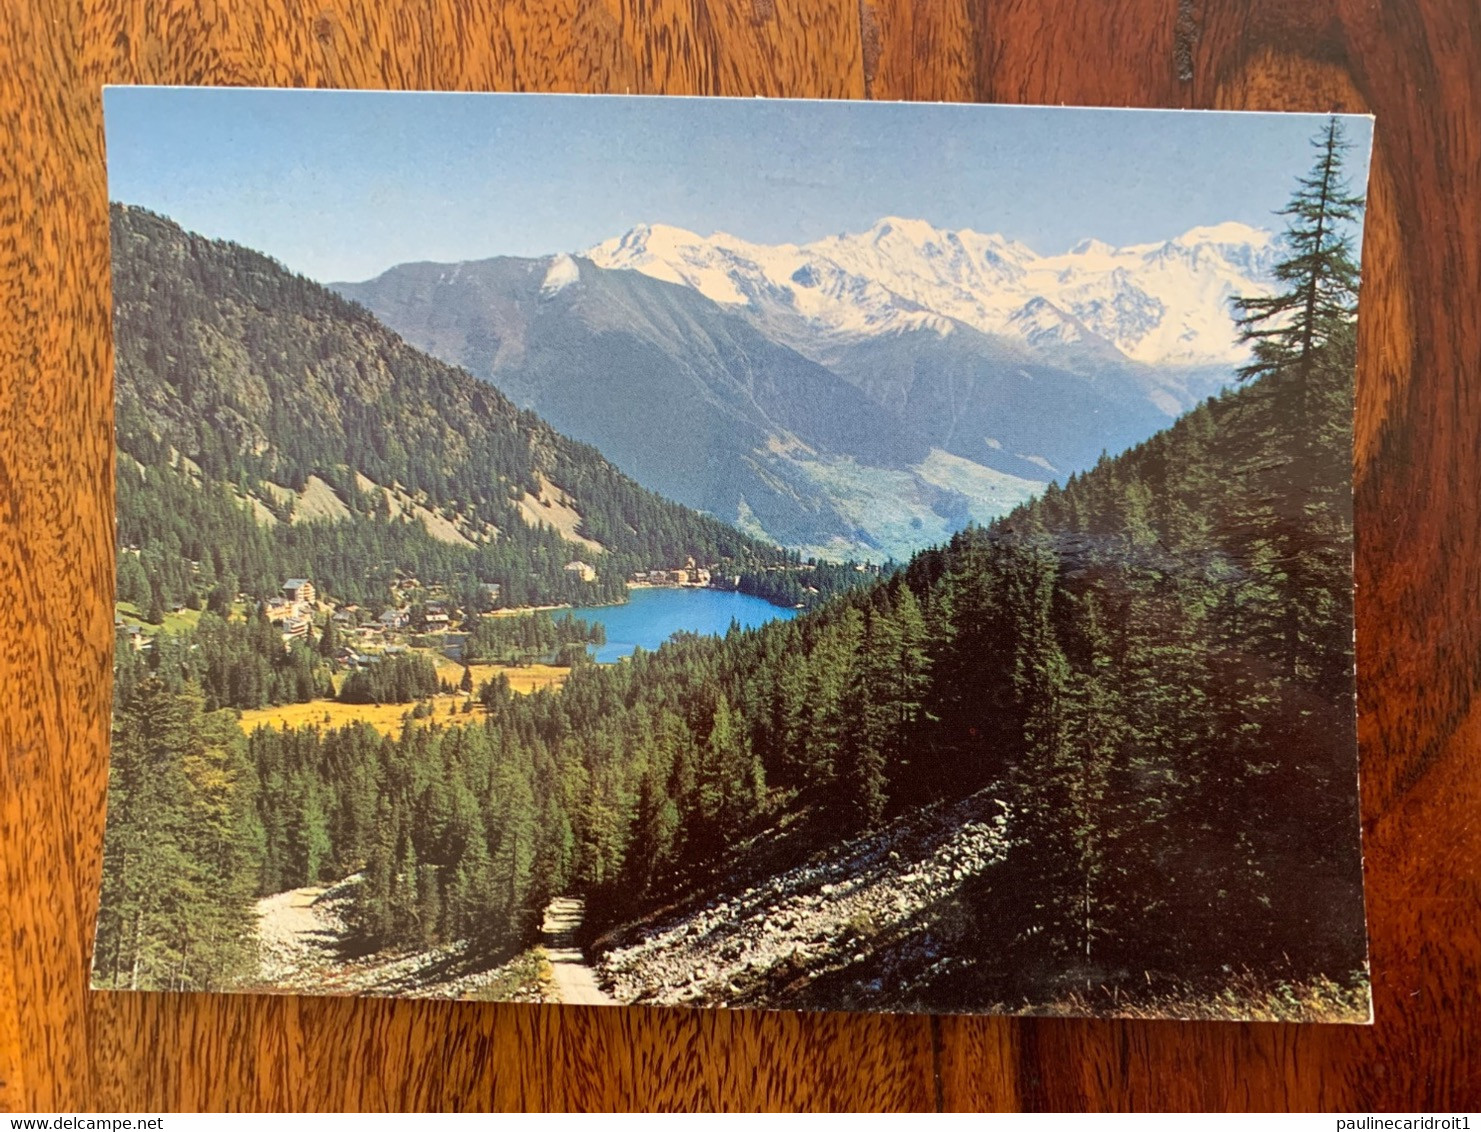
{"x": 329, "y": 639}
{"x": 1319, "y": 276}
{"x": 309, "y": 834}
{"x": 133, "y": 583}
{"x": 872, "y": 709}
{"x": 788, "y": 724}
{"x": 155, "y": 614}
{"x": 912, "y": 675}
{"x": 180, "y": 858}
{"x": 1302, "y": 340}
{"x": 731, "y": 780}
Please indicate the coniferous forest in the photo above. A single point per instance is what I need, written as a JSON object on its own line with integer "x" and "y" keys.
{"x": 1148, "y": 670}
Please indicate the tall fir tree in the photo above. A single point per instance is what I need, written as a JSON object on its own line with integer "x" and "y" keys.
{"x": 1319, "y": 276}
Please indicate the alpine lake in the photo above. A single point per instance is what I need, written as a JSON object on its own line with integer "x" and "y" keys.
{"x": 652, "y": 615}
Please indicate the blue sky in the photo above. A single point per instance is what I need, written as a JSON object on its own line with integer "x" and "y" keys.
{"x": 342, "y": 185}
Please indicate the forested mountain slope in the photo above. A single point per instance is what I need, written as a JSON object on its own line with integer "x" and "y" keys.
{"x": 1148, "y": 672}
{"x": 267, "y": 427}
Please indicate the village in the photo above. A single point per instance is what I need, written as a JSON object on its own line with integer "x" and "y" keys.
{"x": 422, "y": 616}
{"x": 417, "y": 619}
{"x": 412, "y": 609}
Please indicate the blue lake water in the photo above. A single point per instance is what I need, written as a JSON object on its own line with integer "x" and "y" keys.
{"x": 652, "y": 616}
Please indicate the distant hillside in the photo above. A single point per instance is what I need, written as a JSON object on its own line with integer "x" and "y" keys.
{"x": 695, "y": 402}
{"x": 268, "y": 427}
{"x": 866, "y": 393}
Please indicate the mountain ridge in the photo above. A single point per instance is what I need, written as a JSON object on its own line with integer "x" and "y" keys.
{"x": 907, "y": 274}
{"x": 729, "y": 375}
{"x": 267, "y": 426}
{"x": 696, "y": 403}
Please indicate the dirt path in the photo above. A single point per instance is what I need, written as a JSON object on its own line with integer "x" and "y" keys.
{"x": 298, "y": 934}
{"x": 574, "y": 979}
{"x": 299, "y": 945}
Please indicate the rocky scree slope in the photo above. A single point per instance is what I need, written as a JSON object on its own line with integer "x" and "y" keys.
{"x": 860, "y": 915}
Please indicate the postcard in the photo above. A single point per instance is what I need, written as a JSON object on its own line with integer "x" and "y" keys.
{"x": 735, "y": 553}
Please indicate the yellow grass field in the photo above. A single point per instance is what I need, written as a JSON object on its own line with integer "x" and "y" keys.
{"x": 522, "y": 680}
{"x": 387, "y": 718}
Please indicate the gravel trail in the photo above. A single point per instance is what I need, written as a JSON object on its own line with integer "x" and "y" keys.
{"x": 575, "y": 981}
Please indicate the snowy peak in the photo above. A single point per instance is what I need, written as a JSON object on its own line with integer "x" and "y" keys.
{"x": 1231, "y": 232}
{"x": 1162, "y": 303}
{"x": 650, "y": 241}
{"x": 1040, "y": 323}
{"x": 1090, "y": 246}
{"x": 677, "y": 255}
{"x": 562, "y": 273}
{"x": 914, "y": 231}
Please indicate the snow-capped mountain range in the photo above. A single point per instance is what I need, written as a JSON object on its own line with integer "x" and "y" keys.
{"x": 864, "y": 394}
{"x": 1164, "y": 303}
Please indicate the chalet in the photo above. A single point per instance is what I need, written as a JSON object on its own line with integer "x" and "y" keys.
{"x": 136, "y": 638}
{"x": 437, "y": 621}
{"x": 701, "y": 577}
{"x": 680, "y": 577}
{"x": 299, "y": 590}
{"x": 277, "y": 609}
{"x": 393, "y": 619}
{"x": 588, "y": 573}
{"x": 295, "y": 628}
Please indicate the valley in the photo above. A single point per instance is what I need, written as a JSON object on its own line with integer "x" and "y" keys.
{"x": 903, "y": 620}
{"x": 860, "y": 396}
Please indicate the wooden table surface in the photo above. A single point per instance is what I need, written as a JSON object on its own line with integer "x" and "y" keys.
{"x": 1416, "y": 64}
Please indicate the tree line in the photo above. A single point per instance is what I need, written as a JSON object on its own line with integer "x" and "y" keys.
{"x": 396, "y": 679}
{"x": 530, "y": 637}
{"x": 230, "y": 663}
{"x": 803, "y": 588}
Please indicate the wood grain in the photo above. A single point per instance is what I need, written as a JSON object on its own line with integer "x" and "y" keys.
{"x": 1415, "y": 63}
